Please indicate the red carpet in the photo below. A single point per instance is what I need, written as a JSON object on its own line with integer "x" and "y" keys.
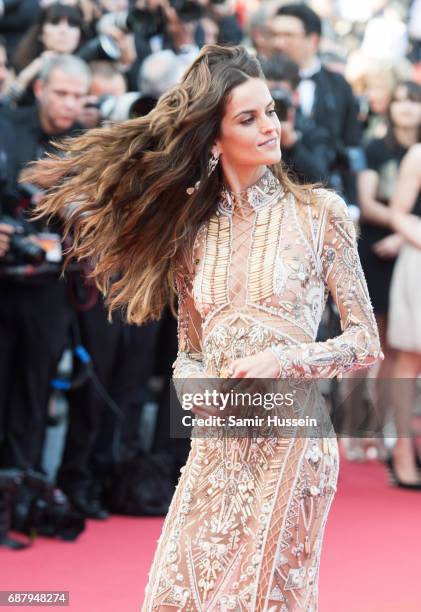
{"x": 371, "y": 560}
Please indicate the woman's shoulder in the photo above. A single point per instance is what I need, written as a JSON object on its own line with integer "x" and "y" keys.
{"x": 410, "y": 168}
{"x": 378, "y": 150}
{"x": 327, "y": 201}
{"x": 414, "y": 155}
{"x": 323, "y": 213}
{"x": 183, "y": 263}
{"x": 332, "y": 208}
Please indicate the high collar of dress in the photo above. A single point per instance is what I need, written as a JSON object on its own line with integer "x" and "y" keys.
{"x": 262, "y": 193}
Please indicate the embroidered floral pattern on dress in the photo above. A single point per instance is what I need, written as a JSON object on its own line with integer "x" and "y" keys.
{"x": 246, "y": 524}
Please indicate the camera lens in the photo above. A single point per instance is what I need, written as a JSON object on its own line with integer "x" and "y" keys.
{"x": 26, "y": 250}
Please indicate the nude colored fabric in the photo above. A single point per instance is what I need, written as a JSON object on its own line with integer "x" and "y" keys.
{"x": 245, "y": 527}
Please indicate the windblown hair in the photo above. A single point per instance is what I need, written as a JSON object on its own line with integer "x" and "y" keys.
{"x": 121, "y": 190}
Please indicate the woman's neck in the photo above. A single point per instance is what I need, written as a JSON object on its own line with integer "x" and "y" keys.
{"x": 406, "y": 136}
{"x": 239, "y": 179}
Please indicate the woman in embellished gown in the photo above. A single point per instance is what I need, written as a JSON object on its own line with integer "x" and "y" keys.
{"x": 251, "y": 257}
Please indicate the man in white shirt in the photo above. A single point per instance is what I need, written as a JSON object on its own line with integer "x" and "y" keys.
{"x": 324, "y": 95}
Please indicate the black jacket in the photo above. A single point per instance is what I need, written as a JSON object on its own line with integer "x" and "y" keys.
{"x": 29, "y": 143}
{"x": 336, "y": 108}
{"x": 312, "y": 155}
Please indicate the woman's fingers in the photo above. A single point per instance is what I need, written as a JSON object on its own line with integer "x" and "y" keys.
{"x": 5, "y": 232}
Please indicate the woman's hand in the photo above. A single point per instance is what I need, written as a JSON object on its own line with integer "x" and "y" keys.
{"x": 261, "y": 365}
{"x": 31, "y": 71}
{"x": 125, "y": 42}
{"x": 6, "y": 231}
{"x": 388, "y": 247}
{"x": 408, "y": 226}
{"x": 254, "y": 374}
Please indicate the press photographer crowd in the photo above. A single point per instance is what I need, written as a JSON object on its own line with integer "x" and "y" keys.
{"x": 346, "y": 80}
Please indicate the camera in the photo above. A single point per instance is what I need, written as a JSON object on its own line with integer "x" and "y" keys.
{"x": 10, "y": 6}
{"x": 34, "y": 505}
{"x": 133, "y": 20}
{"x": 127, "y": 106}
{"x": 141, "y": 21}
{"x": 22, "y": 249}
{"x": 283, "y": 102}
{"x": 148, "y": 22}
{"x": 188, "y": 10}
{"x": 100, "y": 47}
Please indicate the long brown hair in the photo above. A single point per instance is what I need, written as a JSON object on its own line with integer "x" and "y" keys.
{"x": 413, "y": 92}
{"x": 121, "y": 190}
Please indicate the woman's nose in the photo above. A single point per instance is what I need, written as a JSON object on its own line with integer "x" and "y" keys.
{"x": 267, "y": 125}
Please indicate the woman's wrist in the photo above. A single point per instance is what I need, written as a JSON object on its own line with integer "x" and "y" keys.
{"x": 393, "y": 218}
{"x": 275, "y": 351}
{"x": 16, "y": 90}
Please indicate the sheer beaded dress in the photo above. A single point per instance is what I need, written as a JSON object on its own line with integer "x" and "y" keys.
{"x": 245, "y": 527}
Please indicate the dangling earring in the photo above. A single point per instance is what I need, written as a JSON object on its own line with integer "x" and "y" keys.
{"x": 212, "y": 163}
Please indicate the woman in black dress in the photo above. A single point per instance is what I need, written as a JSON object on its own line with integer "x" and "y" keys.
{"x": 379, "y": 245}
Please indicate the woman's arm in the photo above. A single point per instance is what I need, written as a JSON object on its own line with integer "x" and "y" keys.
{"x": 409, "y": 181}
{"x": 189, "y": 371}
{"x": 188, "y": 363}
{"x": 409, "y": 227}
{"x": 372, "y": 210}
{"x": 359, "y": 345}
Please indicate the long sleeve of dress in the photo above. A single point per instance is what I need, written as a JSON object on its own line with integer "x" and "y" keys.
{"x": 359, "y": 345}
{"x": 188, "y": 363}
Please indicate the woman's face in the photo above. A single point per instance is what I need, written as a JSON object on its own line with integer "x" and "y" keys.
{"x": 250, "y": 128}
{"x": 379, "y": 93}
{"x": 60, "y": 37}
{"x": 210, "y": 31}
{"x": 405, "y": 112}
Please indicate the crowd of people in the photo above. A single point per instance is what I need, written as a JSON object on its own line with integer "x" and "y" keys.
{"x": 346, "y": 80}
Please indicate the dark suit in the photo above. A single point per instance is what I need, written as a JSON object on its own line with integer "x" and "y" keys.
{"x": 335, "y": 107}
{"x": 34, "y": 319}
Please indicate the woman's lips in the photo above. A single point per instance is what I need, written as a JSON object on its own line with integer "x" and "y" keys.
{"x": 271, "y": 142}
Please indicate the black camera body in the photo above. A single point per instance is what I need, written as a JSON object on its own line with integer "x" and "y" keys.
{"x": 35, "y": 506}
{"x": 22, "y": 249}
{"x": 283, "y": 102}
{"x": 187, "y": 10}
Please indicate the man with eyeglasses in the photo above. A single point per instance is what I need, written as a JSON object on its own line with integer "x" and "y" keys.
{"x": 324, "y": 95}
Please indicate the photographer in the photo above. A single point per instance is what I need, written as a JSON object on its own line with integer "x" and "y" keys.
{"x": 148, "y": 26}
{"x": 106, "y": 81}
{"x": 34, "y": 312}
{"x": 306, "y": 147}
{"x": 324, "y": 95}
{"x": 183, "y": 26}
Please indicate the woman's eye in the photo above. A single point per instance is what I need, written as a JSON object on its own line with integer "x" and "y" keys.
{"x": 251, "y": 119}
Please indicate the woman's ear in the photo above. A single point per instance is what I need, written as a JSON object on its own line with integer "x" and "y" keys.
{"x": 215, "y": 150}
